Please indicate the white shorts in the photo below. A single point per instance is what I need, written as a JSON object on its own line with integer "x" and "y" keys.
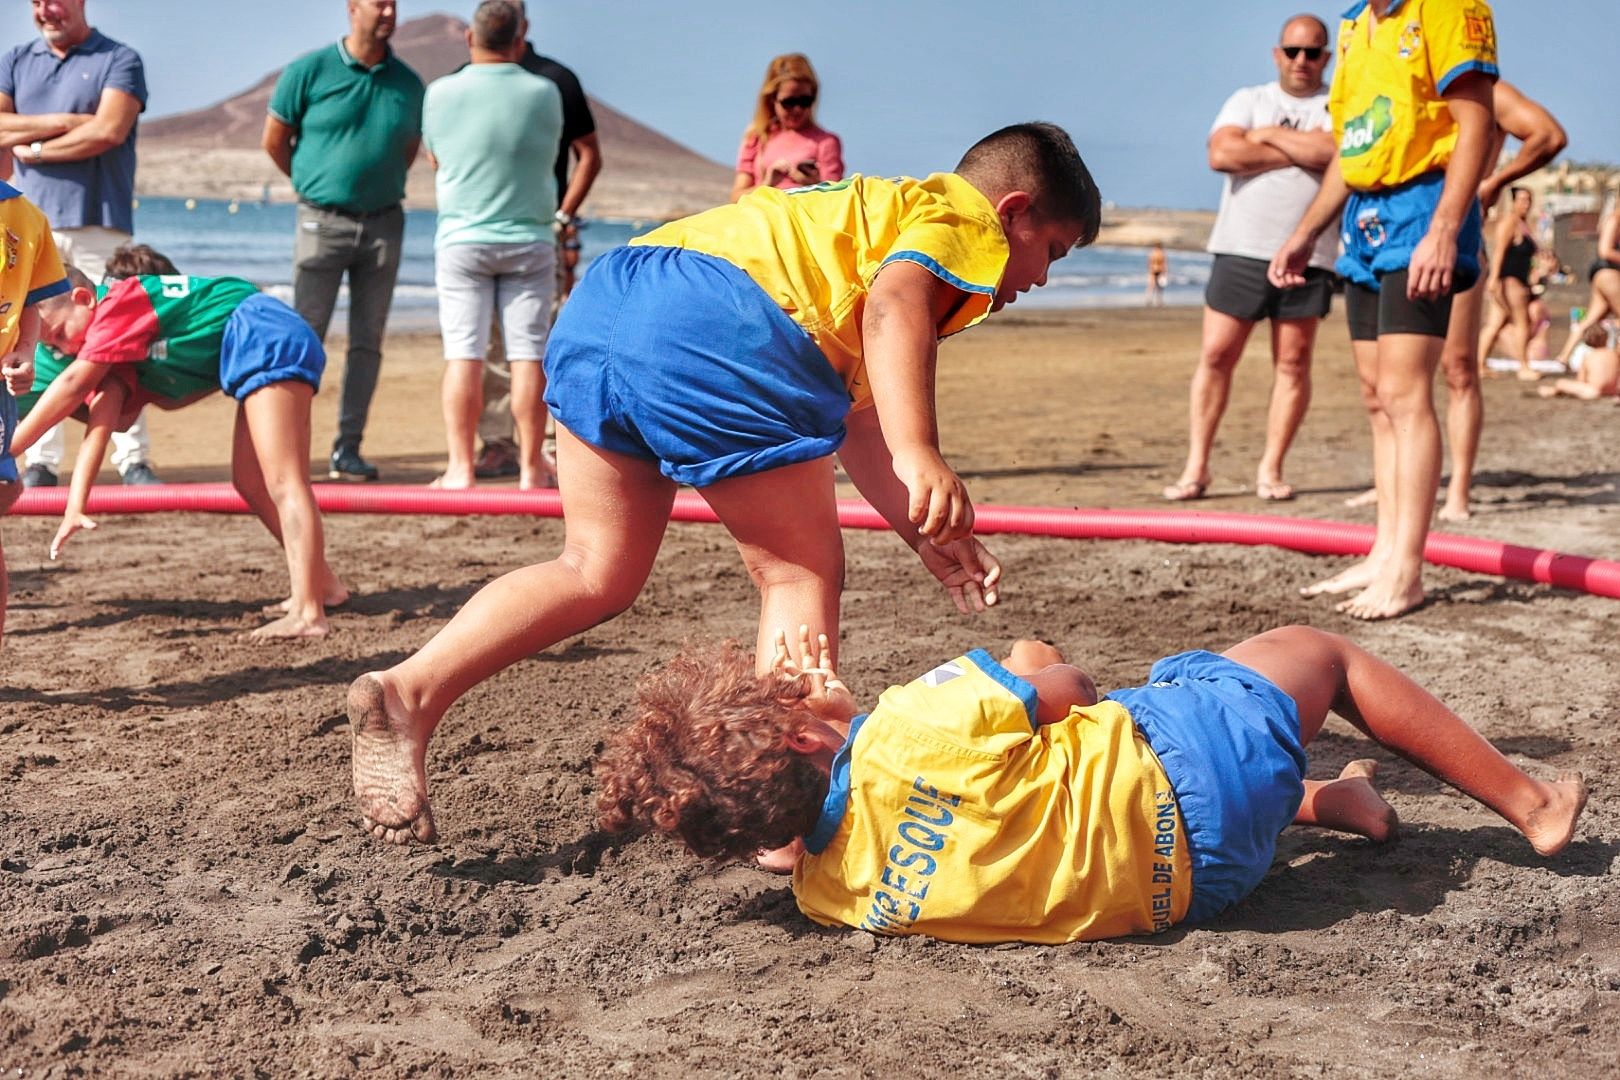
{"x": 477, "y": 280}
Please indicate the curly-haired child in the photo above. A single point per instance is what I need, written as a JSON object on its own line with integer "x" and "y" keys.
{"x": 1004, "y": 801}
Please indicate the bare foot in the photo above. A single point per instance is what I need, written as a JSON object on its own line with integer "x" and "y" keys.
{"x": 334, "y": 594}
{"x": 1548, "y": 391}
{"x": 1351, "y": 804}
{"x": 1384, "y": 599}
{"x": 453, "y": 480}
{"x": 390, "y": 777}
{"x": 540, "y": 480}
{"x": 1273, "y": 490}
{"x": 1366, "y": 498}
{"x": 1551, "y": 826}
{"x": 293, "y": 626}
{"x": 1529, "y": 375}
{"x": 1359, "y": 576}
{"x": 1455, "y": 510}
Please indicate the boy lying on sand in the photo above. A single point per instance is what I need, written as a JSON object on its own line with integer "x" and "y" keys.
{"x": 1004, "y": 801}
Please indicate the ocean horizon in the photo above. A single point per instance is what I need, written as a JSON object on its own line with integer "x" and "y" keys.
{"x": 254, "y": 240}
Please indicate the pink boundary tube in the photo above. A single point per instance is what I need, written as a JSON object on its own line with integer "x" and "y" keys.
{"x": 1600, "y": 577}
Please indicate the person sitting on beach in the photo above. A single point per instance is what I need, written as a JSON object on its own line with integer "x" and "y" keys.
{"x": 31, "y": 274}
{"x": 737, "y": 351}
{"x": 1605, "y": 277}
{"x": 217, "y": 334}
{"x": 996, "y": 801}
{"x": 783, "y": 147}
{"x": 1599, "y": 376}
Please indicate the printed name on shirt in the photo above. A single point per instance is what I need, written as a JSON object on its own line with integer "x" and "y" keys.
{"x": 912, "y": 860}
{"x": 1164, "y": 858}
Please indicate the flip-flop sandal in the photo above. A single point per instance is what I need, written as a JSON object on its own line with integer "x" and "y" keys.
{"x": 1278, "y": 492}
{"x": 1185, "y": 491}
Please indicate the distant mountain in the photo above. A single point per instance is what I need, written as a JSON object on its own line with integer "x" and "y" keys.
{"x": 214, "y": 152}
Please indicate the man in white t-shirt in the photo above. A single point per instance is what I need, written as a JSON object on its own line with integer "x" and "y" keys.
{"x": 1272, "y": 141}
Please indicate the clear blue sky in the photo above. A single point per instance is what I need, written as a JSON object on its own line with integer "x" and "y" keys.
{"x": 907, "y": 84}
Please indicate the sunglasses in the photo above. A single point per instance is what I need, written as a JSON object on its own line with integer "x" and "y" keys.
{"x": 803, "y": 101}
{"x": 1312, "y": 52}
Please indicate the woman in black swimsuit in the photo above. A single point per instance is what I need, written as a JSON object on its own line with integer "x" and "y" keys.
{"x": 1605, "y": 275}
{"x": 1513, "y": 250}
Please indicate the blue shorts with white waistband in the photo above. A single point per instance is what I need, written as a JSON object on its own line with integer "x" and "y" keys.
{"x": 1228, "y": 738}
{"x": 680, "y": 358}
{"x": 1381, "y": 230}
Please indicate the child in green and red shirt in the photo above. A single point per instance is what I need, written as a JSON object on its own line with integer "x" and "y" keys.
{"x": 169, "y": 340}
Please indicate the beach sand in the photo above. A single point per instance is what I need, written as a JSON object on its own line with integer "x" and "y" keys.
{"x": 186, "y": 889}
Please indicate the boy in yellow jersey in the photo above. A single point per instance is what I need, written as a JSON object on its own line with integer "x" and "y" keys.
{"x": 736, "y": 351}
{"x": 1004, "y": 801}
{"x": 30, "y": 271}
{"x": 1412, "y": 114}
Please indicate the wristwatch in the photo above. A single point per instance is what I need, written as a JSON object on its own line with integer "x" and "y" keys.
{"x": 36, "y": 150}
{"x": 563, "y": 218}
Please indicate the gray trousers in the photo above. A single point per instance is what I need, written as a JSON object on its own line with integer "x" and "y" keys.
{"x": 330, "y": 245}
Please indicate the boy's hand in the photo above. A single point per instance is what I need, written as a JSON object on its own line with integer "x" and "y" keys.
{"x": 829, "y": 698}
{"x": 71, "y": 524}
{"x": 970, "y": 574}
{"x": 17, "y": 367}
{"x": 939, "y": 505}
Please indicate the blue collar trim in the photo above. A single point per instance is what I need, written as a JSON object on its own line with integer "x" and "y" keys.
{"x": 836, "y": 803}
{"x": 8, "y": 192}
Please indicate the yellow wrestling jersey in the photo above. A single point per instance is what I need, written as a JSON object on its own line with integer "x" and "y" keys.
{"x": 815, "y": 251}
{"x": 1389, "y": 117}
{"x": 32, "y": 271}
{"x": 952, "y": 813}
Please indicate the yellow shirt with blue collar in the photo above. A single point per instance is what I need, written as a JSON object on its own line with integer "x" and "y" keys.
{"x": 816, "y": 250}
{"x": 32, "y": 270}
{"x": 1389, "y": 113}
{"x": 951, "y": 813}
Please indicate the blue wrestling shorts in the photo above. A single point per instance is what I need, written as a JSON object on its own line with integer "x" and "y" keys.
{"x": 1381, "y": 230}
{"x": 1228, "y": 739}
{"x": 680, "y": 358}
{"x": 265, "y": 342}
{"x": 8, "y": 424}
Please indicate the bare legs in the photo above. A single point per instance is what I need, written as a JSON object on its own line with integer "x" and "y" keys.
{"x": 1397, "y": 373}
{"x": 1604, "y": 301}
{"x": 1223, "y": 342}
{"x": 615, "y": 508}
{"x": 529, "y": 419}
{"x": 462, "y": 396}
{"x": 270, "y": 469}
{"x": 1291, "y": 343}
{"x": 1323, "y": 672}
{"x": 1465, "y": 405}
{"x": 9, "y": 493}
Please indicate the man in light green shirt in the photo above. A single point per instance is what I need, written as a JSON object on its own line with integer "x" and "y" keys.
{"x": 492, "y": 131}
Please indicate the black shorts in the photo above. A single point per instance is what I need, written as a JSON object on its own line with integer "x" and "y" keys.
{"x": 1388, "y": 311}
{"x": 1598, "y": 266}
{"x": 1238, "y": 287}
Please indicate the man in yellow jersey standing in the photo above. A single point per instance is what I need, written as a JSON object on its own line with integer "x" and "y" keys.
{"x": 1412, "y": 114}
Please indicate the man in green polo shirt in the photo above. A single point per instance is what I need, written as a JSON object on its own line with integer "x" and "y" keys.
{"x": 345, "y": 124}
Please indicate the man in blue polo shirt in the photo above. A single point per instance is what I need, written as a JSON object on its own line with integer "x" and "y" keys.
{"x": 345, "y": 124}
{"x": 69, "y": 102}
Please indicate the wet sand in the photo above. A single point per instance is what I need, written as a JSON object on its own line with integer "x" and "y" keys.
{"x": 186, "y": 889}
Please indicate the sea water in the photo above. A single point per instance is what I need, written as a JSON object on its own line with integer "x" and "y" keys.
{"x": 212, "y": 237}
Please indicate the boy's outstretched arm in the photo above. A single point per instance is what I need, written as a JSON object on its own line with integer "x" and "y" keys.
{"x": 967, "y": 570}
{"x": 900, "y": 341}
{"x": 66, "y": 393}
{"x": 104, "y": 418}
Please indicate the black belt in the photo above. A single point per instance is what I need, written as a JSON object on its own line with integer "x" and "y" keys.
{"x": 352, "y": 215}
